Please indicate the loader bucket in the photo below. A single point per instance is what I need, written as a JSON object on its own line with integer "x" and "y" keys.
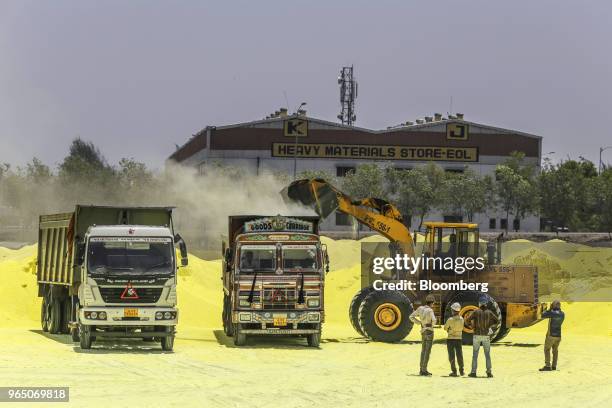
{"x": 317, "y": 194}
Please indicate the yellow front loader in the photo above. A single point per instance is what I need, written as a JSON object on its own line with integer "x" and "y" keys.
{"x": 382, "y": 315}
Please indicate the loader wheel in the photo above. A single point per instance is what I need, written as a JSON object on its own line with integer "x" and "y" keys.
{"x": 239, "y": 337}
{"x": 469, "y": 304}
{"x": 354, "y": 308}
{"x": 226, "y": 316}
{"x": 314, "y": 339}
{"x": 503, "y": 330}
{"x": 44, "y": 315}
{"x": 55, "y": 320}
{"x": 85, "y": 338}
{"x": 384, "y": 316}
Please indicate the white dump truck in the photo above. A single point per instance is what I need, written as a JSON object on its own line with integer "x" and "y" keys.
{"x": 109, "y": 272}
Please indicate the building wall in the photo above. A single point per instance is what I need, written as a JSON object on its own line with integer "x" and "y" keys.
{"x": 255, "y": 146}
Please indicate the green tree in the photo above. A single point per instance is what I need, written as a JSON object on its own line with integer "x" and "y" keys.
{"x": 418, "y": 191}
{"x": 466, "y": 194}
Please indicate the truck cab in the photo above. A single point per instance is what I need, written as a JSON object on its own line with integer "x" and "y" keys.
{"x": 273, "y": 278}
{"x": 128, "y": 277}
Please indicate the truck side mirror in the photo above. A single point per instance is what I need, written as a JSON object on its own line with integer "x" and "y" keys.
{"x": 80, "y": 253}
{"x": 325, "y": 257}
{"x": 182, "y": 248}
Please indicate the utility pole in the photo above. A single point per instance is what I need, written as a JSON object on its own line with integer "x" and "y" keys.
{"x": 297, "y": 112}
{"x": 601, "y": 150}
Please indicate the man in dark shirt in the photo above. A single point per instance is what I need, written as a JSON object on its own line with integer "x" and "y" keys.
{"x": 553, "y": 335}
{"x": 482, "y": 320}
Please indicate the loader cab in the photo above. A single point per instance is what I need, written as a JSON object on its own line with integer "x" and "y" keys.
{"x": 450, "y": 240}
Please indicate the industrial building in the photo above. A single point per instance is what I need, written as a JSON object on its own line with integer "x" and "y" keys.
{"x": 295, "y": 143}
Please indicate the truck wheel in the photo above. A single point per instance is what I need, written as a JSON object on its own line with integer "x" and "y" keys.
{"x": 167, "y": 343}
{"x": 55, "y": 320}
{"x": 74, "y": 334}
{"x": 354, "y": 308}
{"x": 228, "y": 327}
{"x": 384, "y": 316}
{"x": 44, "y": 315}
{"x": 239, "y": 337}
{"x": 85, "y": 339}
{"x": 469, "y": 303}
{"x": 314, "y": 339}
{"x": 65, "y": 316}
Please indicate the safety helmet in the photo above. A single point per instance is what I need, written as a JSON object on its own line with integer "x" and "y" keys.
{"x": 456, "y": 307}
{"x": 482, "y": 301}
{"x": 430, "y": 299}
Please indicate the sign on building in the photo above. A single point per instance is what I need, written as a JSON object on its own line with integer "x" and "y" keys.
{"x": 296, "y": 127}
{"x": 374, "y": 152}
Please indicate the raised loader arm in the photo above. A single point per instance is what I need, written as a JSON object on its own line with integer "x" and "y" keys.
{"x": 379, "y": 215}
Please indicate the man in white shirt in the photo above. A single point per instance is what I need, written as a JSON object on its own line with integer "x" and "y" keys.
{"x": 424, "y": 315}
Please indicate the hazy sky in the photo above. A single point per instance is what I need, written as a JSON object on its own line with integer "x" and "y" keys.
{"x": 136, "y": 77}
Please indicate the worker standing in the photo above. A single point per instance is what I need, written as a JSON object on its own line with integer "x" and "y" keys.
{"x": 424, "y": 315}
{"x": 553, "y": 335}
{"x": 482, "y": 320}
{"x": 454, "y": 328}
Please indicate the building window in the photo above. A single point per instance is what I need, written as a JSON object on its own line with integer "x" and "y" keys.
{"x": 343, "y": 219}
{"x": 516, "y": 224}
{"x": 342, "y": 171}
{"x": 492, "y": 223}
{"x": 503, "y": 223}
{"x": 453, "y": 218}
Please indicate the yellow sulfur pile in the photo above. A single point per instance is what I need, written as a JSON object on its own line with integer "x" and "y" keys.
{"x": 201, "y": 294}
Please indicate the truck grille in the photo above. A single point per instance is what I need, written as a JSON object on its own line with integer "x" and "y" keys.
{"x": 279, "y": 298}
{"x": 145, "y": 295}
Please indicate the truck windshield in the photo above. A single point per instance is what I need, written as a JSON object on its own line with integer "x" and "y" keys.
{"x": 255, "y": 258}
{"x": 130, "y": 255}
{"x": 299, "y": 258}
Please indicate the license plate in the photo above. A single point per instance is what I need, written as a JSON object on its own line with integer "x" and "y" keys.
{"x": 130, "y": 312}
{"x": 280, "y": 321}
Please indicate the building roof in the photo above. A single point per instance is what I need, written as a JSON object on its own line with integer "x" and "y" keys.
{"x": 199, "y": 138}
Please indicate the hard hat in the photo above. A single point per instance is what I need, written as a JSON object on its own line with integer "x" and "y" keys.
{"x": 430, "y": 299}
{"x": 456, "y": 307}
{"x": 482, "y": 301}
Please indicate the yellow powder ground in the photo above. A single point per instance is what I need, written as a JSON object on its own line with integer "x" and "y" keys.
{"x": 207, "y": 370}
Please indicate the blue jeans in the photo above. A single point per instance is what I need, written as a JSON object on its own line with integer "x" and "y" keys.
{"x": 485, "y": 341}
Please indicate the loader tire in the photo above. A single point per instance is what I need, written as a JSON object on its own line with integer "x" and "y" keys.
{"x": 354, "y": 308}
{"x": 55, "y": 320}
{"x": 469, "y": 303}
{"x": 503, "y": 330}
{"x": 384, "y": 316}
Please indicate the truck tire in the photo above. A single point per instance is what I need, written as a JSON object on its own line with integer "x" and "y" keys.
{"x": 55, "y": 314}
{"x": 384, "y": 316}
{"x": 228, "y": 327}
{"x": 65, "y": 316}
{"x": 167, "y": 343}
{"x": 354, "y": 308}
{"x": 85, "y": 338}
{"x": 44, "y": 315}
{"x": 469, "y": 303}
{"x": 239, "y": 337}
{"x": 74, "y": 334}
{"x": 314, "y": 339}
